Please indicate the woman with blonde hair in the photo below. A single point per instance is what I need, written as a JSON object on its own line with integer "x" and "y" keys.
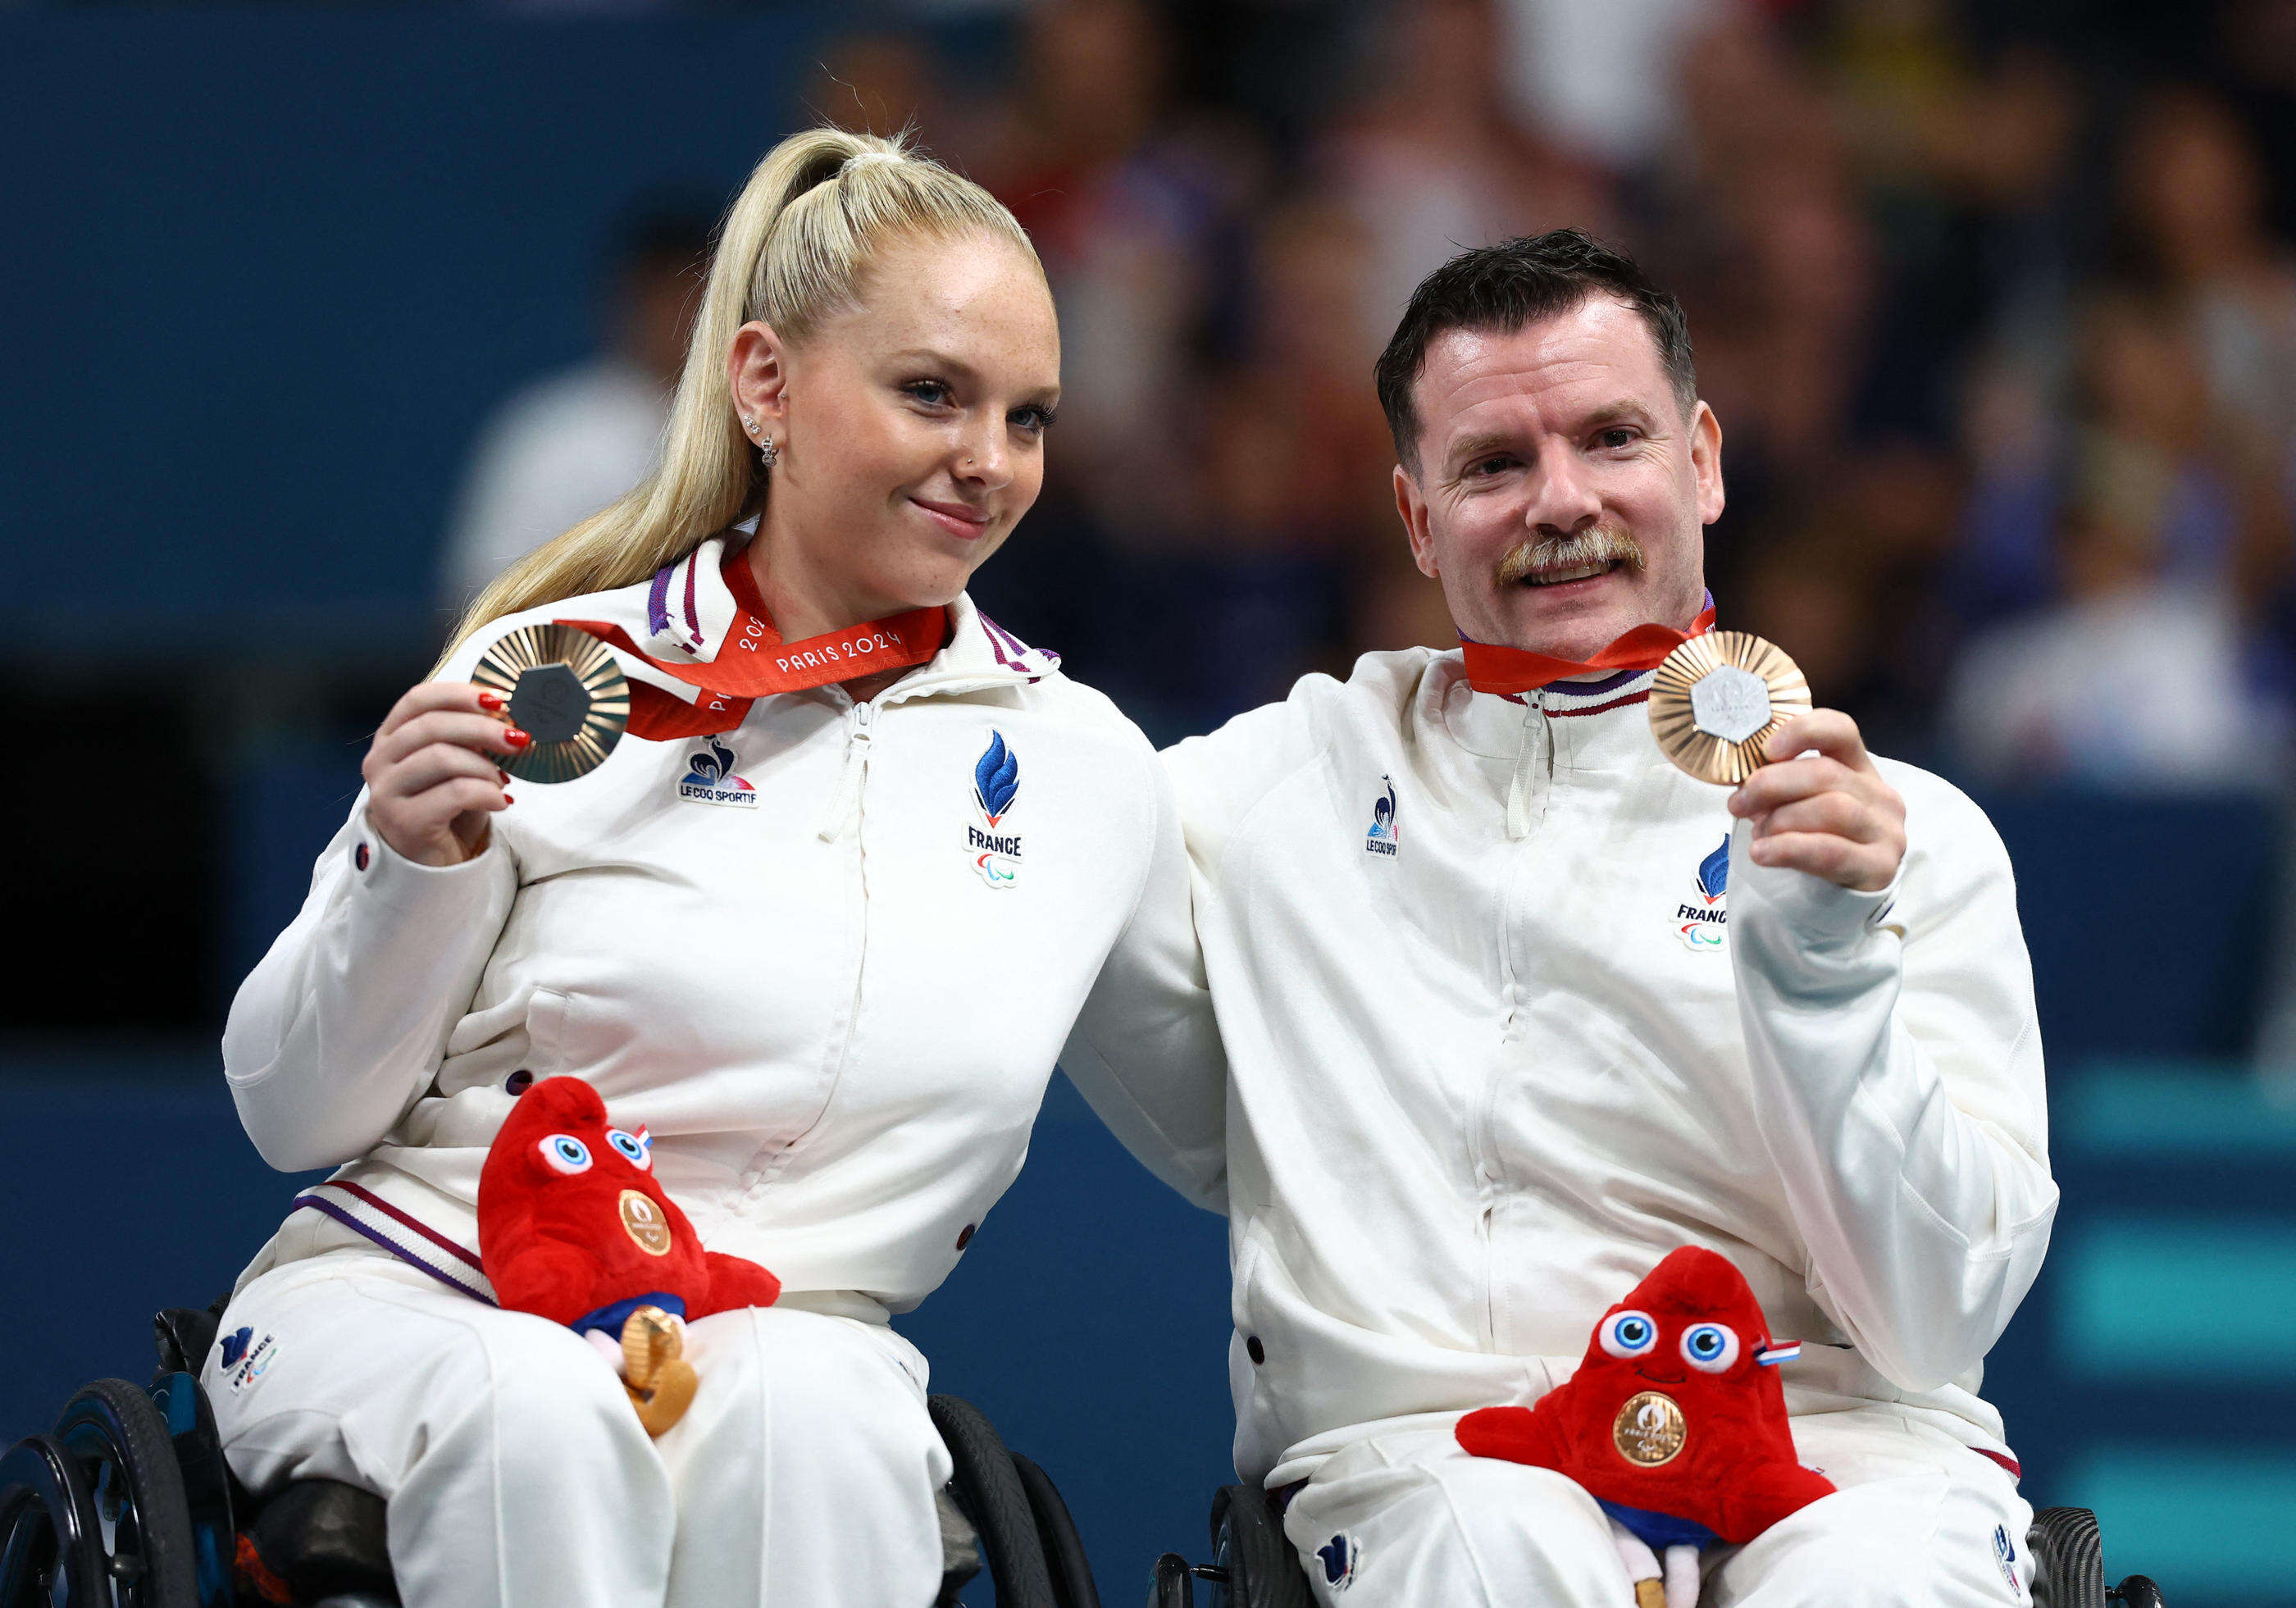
{"x": 818, "y": 924}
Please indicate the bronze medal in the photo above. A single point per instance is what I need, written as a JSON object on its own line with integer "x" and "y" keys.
{"x": 566, "y": 691}
{"x": 645, "y": 1222}
{"x": 1718, "y": 698}
{"x": 659, "y": 1379}
{"x": 1649, "y": 1430}
{"x": 650, "y": 1343}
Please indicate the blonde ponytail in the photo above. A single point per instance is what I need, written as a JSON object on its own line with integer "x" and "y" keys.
{"x": 791, "y": 253}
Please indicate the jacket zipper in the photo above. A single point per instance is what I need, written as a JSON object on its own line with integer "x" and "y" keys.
{"x": 845, "y": 803}
{"x": 1518, "y": 814}
{"x": 843, "y": 813}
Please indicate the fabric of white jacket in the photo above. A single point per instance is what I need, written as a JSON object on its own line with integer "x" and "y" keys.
{"x": 1503, "y": 1027}
{"x": 775, "y": 948}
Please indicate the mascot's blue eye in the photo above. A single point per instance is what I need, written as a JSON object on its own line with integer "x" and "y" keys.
{"x": 1627, "y": 1333}
{"x": 633, "y": 1149}
{"x": 1709, "y": 1348}
{"x": 566, "y": 1154}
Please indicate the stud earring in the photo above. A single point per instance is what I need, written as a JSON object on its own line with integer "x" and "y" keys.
{"x": 749, "y": 423}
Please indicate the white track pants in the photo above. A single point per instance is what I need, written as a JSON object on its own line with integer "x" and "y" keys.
{"x": 1410, "y": 1519}
{"x": 517, "y": 1473}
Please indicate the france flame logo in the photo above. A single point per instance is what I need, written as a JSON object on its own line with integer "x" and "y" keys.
{"x": 1700, "y": 926}
{"x": 995, "y": 779}
{"x": 994, "y": 853}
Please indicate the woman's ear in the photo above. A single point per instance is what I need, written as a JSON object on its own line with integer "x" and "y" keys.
{"x": 759, "y": 376}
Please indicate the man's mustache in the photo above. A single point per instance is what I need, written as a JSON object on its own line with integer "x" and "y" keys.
{"x": 1598, "y": 546}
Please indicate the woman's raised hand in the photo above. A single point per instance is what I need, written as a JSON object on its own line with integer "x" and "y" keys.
{"x": 431, "y": 776}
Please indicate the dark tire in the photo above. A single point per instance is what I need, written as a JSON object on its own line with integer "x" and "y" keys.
{"x": 1073, "y": 1585}
{"x": 1263, "y": 1570}
{"x": 51, "y": 1548}
{"x": 210, "y": 1494}
{"x": 129, "y": 1457}
{"x": 2136, "y": 1592}
{"x": 1173, "y": 1583}
{"x": 2067, "y": 1559}
{"x": 988, "y": 1489}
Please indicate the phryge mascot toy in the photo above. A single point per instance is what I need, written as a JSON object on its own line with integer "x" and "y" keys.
{"x": 1675, "y": 1422}
{"x": 574, "y": 1226}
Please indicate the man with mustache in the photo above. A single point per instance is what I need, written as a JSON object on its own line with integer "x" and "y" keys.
{"x": 1513, "y": 1007}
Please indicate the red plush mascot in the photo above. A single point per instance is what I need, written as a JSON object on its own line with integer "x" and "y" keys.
{"x": 1675, "y": 1422}
{"x": 574, "y": 1226}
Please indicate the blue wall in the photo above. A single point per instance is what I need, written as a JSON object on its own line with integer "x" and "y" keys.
{"x": 266, "y": 270}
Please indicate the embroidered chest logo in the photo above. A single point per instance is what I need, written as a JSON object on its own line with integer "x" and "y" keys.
{"x": 245, "y": 1358}
{"x": 1700, "y": 921}
{"x": 1381, "y": 838}
{"x": 1340, "y": 1555}
{"x": 710, "y": 778}
{"x": 994, "y": 850}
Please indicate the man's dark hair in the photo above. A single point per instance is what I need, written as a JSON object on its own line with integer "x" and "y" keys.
{"x": 1502, "y": 288}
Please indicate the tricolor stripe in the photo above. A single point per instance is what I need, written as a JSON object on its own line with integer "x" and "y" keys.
{"x": 1013, "y": 654}
{"x": 404, "y": 1235}
{"x": 1602, "y": 708}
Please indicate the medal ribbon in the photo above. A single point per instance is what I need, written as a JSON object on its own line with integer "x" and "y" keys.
{"x": 1494, "y": 668}
{"x": 754, "y": 663}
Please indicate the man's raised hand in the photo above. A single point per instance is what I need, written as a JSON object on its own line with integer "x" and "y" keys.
{"x": 1827, "y": 811}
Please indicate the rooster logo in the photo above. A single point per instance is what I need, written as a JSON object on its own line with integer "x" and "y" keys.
{"x": 1381, "y": 838}
{"x": 709, "y": 777}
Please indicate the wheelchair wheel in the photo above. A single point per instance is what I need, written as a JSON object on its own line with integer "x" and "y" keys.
{"x": 1262, "y": 1570}
{"x": 2067, "y": 1559}
{"x": 51, "y": 1547}
{"x": 988, "y": 1489}
{"x": 1065, "y": 1555}
{"x": 143, "y": 1523}
{"x": 208, "y": 1486}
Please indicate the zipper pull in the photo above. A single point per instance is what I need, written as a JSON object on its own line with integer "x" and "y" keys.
{"x": 1534, "y": 727}
{"x": 845, "y": 804}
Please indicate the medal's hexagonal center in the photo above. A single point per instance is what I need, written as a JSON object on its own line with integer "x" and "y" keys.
{"x": 1726, "y": 702}
{"x": 550, "y": 703}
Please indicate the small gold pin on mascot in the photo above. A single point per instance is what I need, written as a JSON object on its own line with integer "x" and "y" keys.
{"x": 574, "y": 1226}
{"x": 1675, "y": 1422}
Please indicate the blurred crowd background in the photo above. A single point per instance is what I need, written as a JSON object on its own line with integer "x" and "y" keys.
{"x": 312, "y": 317}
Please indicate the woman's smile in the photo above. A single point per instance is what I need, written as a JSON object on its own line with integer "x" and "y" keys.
{"x": 959, "y": 519}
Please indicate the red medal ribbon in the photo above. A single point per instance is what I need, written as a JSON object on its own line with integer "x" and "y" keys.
{"x": 1494, "y": 668}
{"x": 754, "y": 663}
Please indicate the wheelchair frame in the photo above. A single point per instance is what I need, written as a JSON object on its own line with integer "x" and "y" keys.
{"x": 1254, "y": 1566}
{"x": 128, "y": 1503}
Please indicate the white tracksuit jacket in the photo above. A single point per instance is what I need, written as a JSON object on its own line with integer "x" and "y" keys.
{"x": 775, "y": 948}
{"x": 1504, "y": 1027}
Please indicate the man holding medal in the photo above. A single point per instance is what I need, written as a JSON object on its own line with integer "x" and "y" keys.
{"x": 1515, "y": 1006}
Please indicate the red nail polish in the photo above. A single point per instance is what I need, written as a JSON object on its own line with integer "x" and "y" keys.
{"x": 490, "y": 701}
{"x": 516, "y": 738}
{"x": 508, "y": 800}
